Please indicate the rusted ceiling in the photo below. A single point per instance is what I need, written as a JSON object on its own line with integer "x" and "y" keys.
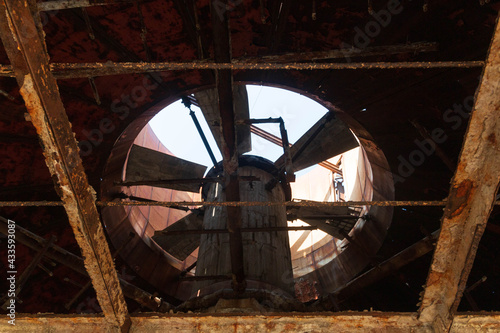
{"x": 384, "y": 101}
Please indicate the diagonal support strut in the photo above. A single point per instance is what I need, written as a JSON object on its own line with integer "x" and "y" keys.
{"x": 471, "y": 199}
{"x": 41, "y": 95}
{"x": 224, "y": 84}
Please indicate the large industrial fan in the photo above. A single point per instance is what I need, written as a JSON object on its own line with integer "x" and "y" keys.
{"x": 258, "y": 179}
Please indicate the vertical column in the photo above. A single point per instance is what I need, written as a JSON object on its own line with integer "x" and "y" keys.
{"x": 267, "y": 255}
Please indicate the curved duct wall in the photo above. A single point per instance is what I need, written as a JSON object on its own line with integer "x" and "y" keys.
{"x": 314, "y": 249}
{"x": 143, "y": 255}
{"x": 368, "y": 235}
{"x": 162, "y": 270}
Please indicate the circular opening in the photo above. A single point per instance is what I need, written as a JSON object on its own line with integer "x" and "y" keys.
{"x": 344, "y": 176}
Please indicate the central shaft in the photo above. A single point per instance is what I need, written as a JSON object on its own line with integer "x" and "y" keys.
{"x": 267, "y": 259}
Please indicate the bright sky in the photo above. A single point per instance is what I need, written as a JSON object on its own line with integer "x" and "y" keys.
{"x": 176, "y": 130}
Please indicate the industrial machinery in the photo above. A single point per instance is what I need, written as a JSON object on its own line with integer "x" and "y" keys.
{"x": 239, "y": 246}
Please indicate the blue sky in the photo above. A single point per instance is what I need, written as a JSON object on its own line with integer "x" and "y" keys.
{"x": 176, "y": 130}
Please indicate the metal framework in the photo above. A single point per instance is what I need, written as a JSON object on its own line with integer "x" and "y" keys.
{"x": 283, "y": 322}
{"x": 471, "y": 198}
{"x": 79, "y": 70}
{"x": 174, "y": 204}
{"x": 229, "y": 146}
{"x": 60, "y": 255}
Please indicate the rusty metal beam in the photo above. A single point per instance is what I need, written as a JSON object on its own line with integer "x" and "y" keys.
{"x": 281, "y": 322}
{"x": 471, "y": 199}
{"x": 330, "y": 166}
{"x": 79, "y": 70}
{"x": 299, "y": 322}
{"x": 266, "y": 135}
{"x": 387, "y": 267}
{"x": 344, "y": 53}
{"x": 476, "y": 322}
{"x": 290, "y": 176}
{"x": 68, "y": 4}
{"x": 39, "y": 90}
{"x": 89, "y": 283}
{"x": 224, "y": 323}
{"x": 277, "y": 141}
{"x": 229, "y": 149}
{"x": 239, "y": 203}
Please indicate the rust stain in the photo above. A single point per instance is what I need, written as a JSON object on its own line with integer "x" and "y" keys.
{"x": 270, "y": 325}
{"x": 434, "y": 278}
{"x": 112, "y": 303}
{"x": 459, "y": 198}
{"x": 492, "y": 139}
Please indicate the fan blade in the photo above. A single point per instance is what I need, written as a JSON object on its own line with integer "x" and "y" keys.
{"x": 327, "y": 138}
{"x": 335, "y": 221}
{"x": 181, "y": 246}
{"x": 207, "y": 100}
{"x": 149, "y": 165}
{"x": 242, "y": 112}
